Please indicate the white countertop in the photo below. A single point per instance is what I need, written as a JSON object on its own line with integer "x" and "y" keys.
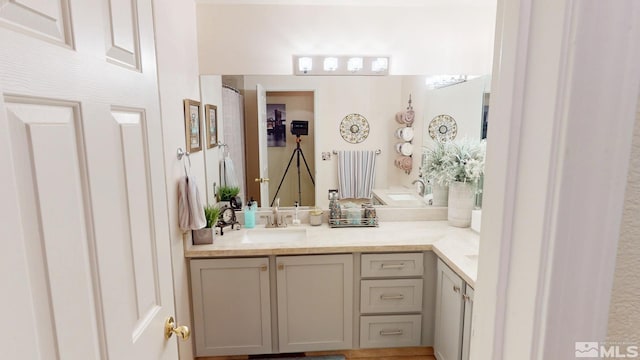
{"x": 457, "y": 247}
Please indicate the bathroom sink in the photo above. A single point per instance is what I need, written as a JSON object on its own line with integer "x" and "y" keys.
{"x": 278, "y": 235}
{"x": 402, "y": 197}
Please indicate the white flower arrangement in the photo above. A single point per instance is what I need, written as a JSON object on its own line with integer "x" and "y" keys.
{"x": 455, "y": 161}
{"x": 435, "y": 163}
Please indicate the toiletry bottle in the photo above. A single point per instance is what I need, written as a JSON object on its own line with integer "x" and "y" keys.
{"x": 250, "y": 215}
{"x": 296, "y": 219}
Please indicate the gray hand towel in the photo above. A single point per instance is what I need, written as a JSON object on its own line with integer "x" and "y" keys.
{"x": 190, "y": 209}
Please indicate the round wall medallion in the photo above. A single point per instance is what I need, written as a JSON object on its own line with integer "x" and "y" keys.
{"x": 354, "y": 128}
{"x": 443, "y": 128}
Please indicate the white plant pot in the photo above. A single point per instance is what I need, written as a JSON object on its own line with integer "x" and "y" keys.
{"x": 461, "y": 202}
{"x": 203, "y": 236}
{"x": 440, "y": 194}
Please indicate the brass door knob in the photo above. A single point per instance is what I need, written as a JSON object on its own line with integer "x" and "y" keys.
{"x": 170, "y": 328}
{"x": 261, "y": 180}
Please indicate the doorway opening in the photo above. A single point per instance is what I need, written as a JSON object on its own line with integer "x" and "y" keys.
{"x": 291, "y": 152}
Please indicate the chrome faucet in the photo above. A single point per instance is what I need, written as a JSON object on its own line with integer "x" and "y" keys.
{"x": 423, "y": 186}
{"x": 278, "y": 220}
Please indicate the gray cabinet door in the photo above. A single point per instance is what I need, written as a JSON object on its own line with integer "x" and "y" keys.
{"x": 315, "y": 302}
{"x": 449, "y": 314}
{"x": 466, "y": 329}
{"x": 231, "y": 306}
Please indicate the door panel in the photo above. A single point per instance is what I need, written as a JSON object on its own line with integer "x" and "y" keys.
{"x": 85, "y": 198}
{"x": 45, "y": 143}
{"x": 50, "y": 20}
{"x": 122, "y": 33}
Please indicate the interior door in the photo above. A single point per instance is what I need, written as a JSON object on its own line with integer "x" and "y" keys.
{"x": 263, "y": 157}
{"x": 83, "y": 219}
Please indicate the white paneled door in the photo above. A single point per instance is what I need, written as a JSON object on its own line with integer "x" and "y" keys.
{"x": 85, "y": 262}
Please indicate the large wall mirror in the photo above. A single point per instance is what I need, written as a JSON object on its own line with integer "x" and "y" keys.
{"x": 322, "y": 102}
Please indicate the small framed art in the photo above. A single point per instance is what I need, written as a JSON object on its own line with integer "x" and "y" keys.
{"x": 192, "y": 125}
{"x": 211, "y": 118}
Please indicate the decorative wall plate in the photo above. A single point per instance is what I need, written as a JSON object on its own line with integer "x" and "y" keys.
{"x": 443, "y": 128}
{"x": 354, "y": 128}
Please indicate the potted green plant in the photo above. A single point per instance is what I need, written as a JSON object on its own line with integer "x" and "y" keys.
{"x": 206, "y": 234}
{"x": 464, "y": 167}
{"x": 435, "y": 172}
{"x": 225, "y": 193}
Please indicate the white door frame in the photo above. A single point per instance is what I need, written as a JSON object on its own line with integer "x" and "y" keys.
{"x": 564, "y": 94}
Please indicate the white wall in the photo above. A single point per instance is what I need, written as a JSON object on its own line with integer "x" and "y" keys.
{"x": 624, "y": 313}
{"x": 211, "y": 92}
{"x": 178, "y": 79}
{"x": 429, "y": 39}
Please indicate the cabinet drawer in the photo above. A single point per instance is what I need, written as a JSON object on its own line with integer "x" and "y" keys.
{"x": 390, "y": 265}
{"x": 390, "y": 331}
{"x": 387, "y": 296}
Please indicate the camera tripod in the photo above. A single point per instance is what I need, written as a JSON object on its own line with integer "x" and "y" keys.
{"x": 296, "y": 152}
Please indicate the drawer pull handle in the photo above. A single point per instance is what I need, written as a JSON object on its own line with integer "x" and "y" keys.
{"x": 391, "y": 332}
{"x": 392, "y": 266}
{"x": 391, "y": 297}
{"x": 456, "y": 288}
{"x": 263, "y": 267}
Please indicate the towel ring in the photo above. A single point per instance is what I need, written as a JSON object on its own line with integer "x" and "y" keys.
{"x": 184, "y": 156}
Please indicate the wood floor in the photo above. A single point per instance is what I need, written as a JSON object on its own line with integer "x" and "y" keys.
{"x": 412, "y": 353}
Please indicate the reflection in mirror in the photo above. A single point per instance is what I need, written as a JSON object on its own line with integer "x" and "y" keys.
{"x": 456, "y": 113}
{"x": 291, "y": 149}
{"x": 326, "y": 101}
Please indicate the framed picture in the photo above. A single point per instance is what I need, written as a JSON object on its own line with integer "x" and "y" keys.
{"x": 211, "y": 118}
{"x": 192, "y": 125}
{"x": 276, "y": 125}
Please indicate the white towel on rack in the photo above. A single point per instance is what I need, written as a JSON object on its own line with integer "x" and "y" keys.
{"x": 229, "y": 172}
{"x": 356, "y": 174}
{"x": 190, "y": 209}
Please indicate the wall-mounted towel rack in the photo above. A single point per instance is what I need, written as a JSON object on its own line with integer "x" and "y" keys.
{"x": 378, "y": 152}
{"x": 184, "y": 156}
{"x": 180, "y": 153}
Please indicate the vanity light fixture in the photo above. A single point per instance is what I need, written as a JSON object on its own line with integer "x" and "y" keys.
{"x": 354, "y": 64}
{"x": 380, "y": 64}
{"x": 330, "y": 63}
{"x": 340, "y": 65}
{"x": 440, "y": 81}
{"x": 305, "y": 64}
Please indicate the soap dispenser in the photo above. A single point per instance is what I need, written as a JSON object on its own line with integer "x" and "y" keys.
{"x": 250, "y": 214}
{"x": 296, "y": 219}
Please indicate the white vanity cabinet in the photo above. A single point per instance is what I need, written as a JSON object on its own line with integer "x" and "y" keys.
{"x": 391, "y": 302}
{"x": 233, "y": 311}
{"x": 231, "y": 306}
{"x": 454, "y": 301}
{"x": 315, "y": 302}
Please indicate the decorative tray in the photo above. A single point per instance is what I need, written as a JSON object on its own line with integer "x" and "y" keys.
{"x": 362, "y": 222}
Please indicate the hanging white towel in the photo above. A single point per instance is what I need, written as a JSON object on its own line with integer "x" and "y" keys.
{"x": 190, "y": 209}
{"x": 229, "y": 172}
{"x": 356, "y": 174}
